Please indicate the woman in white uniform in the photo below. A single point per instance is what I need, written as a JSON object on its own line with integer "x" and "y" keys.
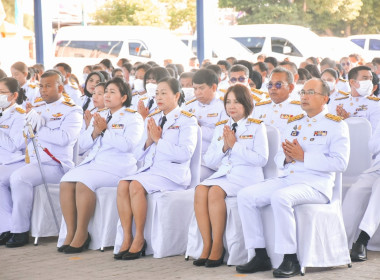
{"x": 169, "y": 141}
{"x": 98, "y": 103}
{"x": 92, "y": 80}
{"x": 330, "y": 76}
{"x": 111, "y": 138}
{"x": 238, "y": 151}
{"x": 12, "y": 143}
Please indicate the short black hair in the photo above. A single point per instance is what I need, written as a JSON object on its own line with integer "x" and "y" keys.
{"x": 313, "y": 60}
{"x": 375, "y": 81}
{"x": 156, "y": 73}
{"x": 272, "y": 60}
{"x": 303, "y": 74}
{"x": 291, "y": 65}
{"x": 331, "y": 63}
{"x": 175, "y": 86}
{"x": 53, "y": 72}
{"x": 243, "y": 96}
{"x": 257, "y": 79}
{"x": 124, "y": 89}
{"x": 376, "y": 60}
{"x": 145, "y": 67}
{"x": 65, "y": 67}
{"x": 185, "y": 75}
{"x": 332, "y": 72}
{"x": 353, "y": 73}
{"x": 172, "y": 66}
{"x": 262, "y": 66}
{"x": 205, "y": 76}
{"x": 116, "y": 70}
{"x": 180, "y": 68}
{"x": 127, "y": 66}
{"x": 313, "y": 69}
{"x": 215, "y": 68}
{"x": 225, "y": 63}
{"x": 107, "y": 63}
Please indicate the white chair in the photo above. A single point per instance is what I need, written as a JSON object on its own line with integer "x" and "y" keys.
{"x": 321, "y": 236}
{"x": 233, "y": 237}
{"x": 360, "y": 156}
{"x": 168, "y": 215}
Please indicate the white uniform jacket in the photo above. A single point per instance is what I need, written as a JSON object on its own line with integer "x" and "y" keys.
{"x": 60, "y": 133}
{"x": 247, "y": 157}
{"x": 74, "y": 93}
{"x": 171, "y": 156}
{"x": 114, "y": 151}
{"x": 365, "y": 107}
{"x": 12, "y": 142}
{"x": 374, "y": 147}
{"x": 326, "y": 145}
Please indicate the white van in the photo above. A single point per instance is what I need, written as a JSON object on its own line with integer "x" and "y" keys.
{"x": 79, "y": 46}
{"x": 278, "y": 40}
{"x": 370, "y": 43}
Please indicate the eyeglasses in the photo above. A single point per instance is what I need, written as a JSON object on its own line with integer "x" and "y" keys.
{"x": 308, "y": 92}
{"x": 277, "y": 85}
{"x": 241, "y": 79}
{"x": 345, "y": 63}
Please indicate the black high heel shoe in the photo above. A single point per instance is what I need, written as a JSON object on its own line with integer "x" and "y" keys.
{"x": 215, "y": 263}
{"x": 133, "y": 256}
{"x": 74, "y": 250}
{"x": 120, "y": 255}
{"x": 62, "y": 248}
{"x": 200, "y": 262}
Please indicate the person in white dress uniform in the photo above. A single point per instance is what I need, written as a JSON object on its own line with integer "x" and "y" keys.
{"x": 138, "y": 90}
{"x": 92, "y": 80}
{"x": 97, "y": 99}
{"x": 111, "y": 139}
{"x": 56, "y": 127}
{"x": 330, "y": 76}
{"x": 12, "y": 122}
{"x": 169, "y": 141}
{"x": 314, "y": 147}
{"x": 361, "y": 204}
{"x": 71, "y": 89}
{"x": 238, "y": 151}
{"x": 360, "y": 103}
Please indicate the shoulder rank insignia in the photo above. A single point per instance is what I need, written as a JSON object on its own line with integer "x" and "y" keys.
{"x": 73, "y": 86}
{"x": 20, "y": 110}
{"x": 68, "y": 104}
{"x": 333, "y": 117}
{"x": 340, "y": 98}
{"x": 263, "y": 103}
{"x": 154, "y": 113}
{"x": 343, "y": 92}
{"x": 221, "y": 122}
{"x": 255, "y": 90}
{"x": 257, "y": 99}
{"x": 296, "y": 102}
{"x": 190, "y": 101}
{"x": 251, "y": 120}
{"x": 221, "y": 98}
{"x": 32, "y": 86}
{"x": 38, "y": 99}
{"x": 101, "y": 110}
{"x": 130, "y": 110}
{"x": 373, "y": 98}
{"x": 295, "y": 118}
{"x": 342, "y": 80}
{"x": 223, "y": 90}
{"x": 135, "y": 93}
{"x": 65, "y": 95}
{"x": 143, "y": 98}
{"x": 187, "y": 114}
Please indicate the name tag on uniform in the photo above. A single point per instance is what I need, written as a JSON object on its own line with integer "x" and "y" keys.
{"x": 285, "y": 116}
{"x": 294, "y": 133}
{"x": 362, "y": 108}
{"x": 320, "y": 133}
{"x": 246, "y": 137}
{"x": 212, "y": 115}
{"x": 173, "y": 127}
{"x": 4, "y": 126}
{"x": 118, "y": 126}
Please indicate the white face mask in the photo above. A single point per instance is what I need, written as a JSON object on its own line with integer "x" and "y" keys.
{"x": 151, "y": 89}
{"x": 331, "y": 85}
{"x": 138, "y": 85}
{"x": 365, "y": 88}
{"x": 189, "y": 93}
{"x": 4, "y": 103}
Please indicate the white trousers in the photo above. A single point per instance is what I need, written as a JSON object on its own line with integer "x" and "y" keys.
{"x": 16, "y": 193}
{"x": 282, "y": 195}
{"x": 361, "y": 206}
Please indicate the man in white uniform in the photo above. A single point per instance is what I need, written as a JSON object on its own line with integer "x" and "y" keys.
{"x": 70, "y": 89}
{"x": 57, "y": 126}
{"x": 315, "y": 146}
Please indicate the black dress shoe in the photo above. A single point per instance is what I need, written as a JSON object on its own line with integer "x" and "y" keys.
{"x": 18, "y": 240}
{"x": 74, "y": 250}
{"x": 358, "y": 252}
{"x": 120, "y": 255}
{"x": 255, "y": 265}
{"x": 216, "y": 263}
{"x": 132, "y": 256}
{"x": 287, "y": 269}
{"x": 4, "y": 237}
{"x": 62, "y": 248}
{"x": 200, "y": 262}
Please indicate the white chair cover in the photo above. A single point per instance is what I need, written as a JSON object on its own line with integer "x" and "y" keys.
{"x": 321, "y": 236}
{"x": 233, "y": 236}
{"x": 360, "y": 157}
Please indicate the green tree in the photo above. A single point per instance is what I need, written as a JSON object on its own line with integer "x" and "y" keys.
{"x": 9, "y": 8}
{"x": 181, "y": 12}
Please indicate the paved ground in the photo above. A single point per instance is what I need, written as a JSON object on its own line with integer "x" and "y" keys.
{"x": 44, "y": 262}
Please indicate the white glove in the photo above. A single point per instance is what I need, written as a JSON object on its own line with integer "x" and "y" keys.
{"x": 35, "y": 120}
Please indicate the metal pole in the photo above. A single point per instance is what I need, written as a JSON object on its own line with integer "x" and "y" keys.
{"x": 200, "y": 32}
{"x": 38, "y": 31}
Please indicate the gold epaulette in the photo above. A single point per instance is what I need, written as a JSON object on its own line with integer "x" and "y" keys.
{"x": 154, "y": 113}
{"x": 333, "y": 117}
{"x": 255, "y": 90}
{"x": 221, "y": 98}
{"x": 343, "y": 92}
{"x": 20, "y": 110}
{"x": 67, "y": 99}
{"x": 296, "y": 102}
{"x": 223, "y": 90}
{"x": 130, "y": 110}
{"x": 374, "y": 98}
{"x": 263, "y": 103}
{"x": 32, "y": 86}
{"x": 342, "y": 80}
{"x": 256, "y": 98}
{"x": 38, "y": 99}
{"x": 73, "y": 86}
{"x": 187, "y": 114}
{"x": 295, "y": 118}
{"x": 65, "y": 95}
{"x": 190, "y": 101}
{"x": 135, "y": 93}
{"x": 68, "y": 104}
{"x": 101, "y": 110}
{"x": 143, "y": 98}
{"x": 221, "y": 122}
{"x": 340, "y": 98}
{"x": 251, "y": 120}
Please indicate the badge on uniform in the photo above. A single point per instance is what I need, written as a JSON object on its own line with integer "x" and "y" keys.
{"x": 220, "y": 138}
{"x": 295, "y": 133}
{"x": 57, "y": 117}
{"x": 320, "y": 133}
{"x": 4, "y": 126}
{"x": 212, "y": 115}
{"x": 118, "y": 126}
{"x": 362, "y": 108}
{"x": 246, "y": 136}
{"x": 191, "y": 110}
{"x": 285, "y": 116}
{"x": 173, "y": 127}
{"x": 311, "y": 139}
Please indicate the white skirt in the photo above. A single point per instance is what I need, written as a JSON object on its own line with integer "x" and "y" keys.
{"x": 92, "y": 176}
{"x": 154, "y": 183}
{"x": 229, "y": 188}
